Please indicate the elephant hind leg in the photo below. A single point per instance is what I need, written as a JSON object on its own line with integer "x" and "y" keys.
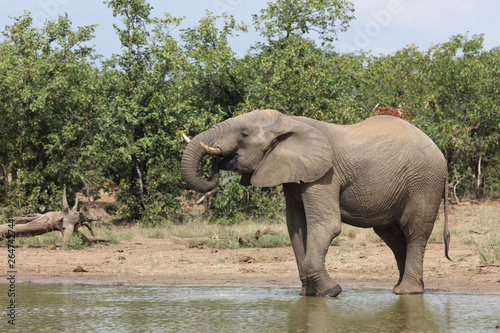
{"x": 395, "y": 239}
{"x": 416, "y": 222}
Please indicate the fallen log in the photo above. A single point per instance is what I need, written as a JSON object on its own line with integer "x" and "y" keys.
{"x": 25, "y": 218}
{"x": 190, "y": 242}
{"x": 66, "y": 221}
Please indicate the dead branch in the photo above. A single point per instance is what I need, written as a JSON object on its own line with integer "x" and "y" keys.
{"x": 208, "y": 195}
{"x": 242, "y": 239}
{"x": 66, "y": 221}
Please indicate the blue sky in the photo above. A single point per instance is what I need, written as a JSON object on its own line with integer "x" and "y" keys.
{"x": 381, "y": 26}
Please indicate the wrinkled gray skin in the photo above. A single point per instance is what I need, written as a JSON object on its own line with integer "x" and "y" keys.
{"x": 382, "y": 173}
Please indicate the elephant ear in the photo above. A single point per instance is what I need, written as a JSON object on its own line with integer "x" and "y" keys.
{"x": 301, "y": 153}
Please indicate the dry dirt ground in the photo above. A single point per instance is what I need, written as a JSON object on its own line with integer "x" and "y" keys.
{"x": 150, "y": 261}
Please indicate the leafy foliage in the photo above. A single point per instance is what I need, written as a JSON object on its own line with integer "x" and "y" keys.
{"x": 283, "y": 18}
{"x": 451, "y": 90}
{"x": 116, "y": 126}
{"x": 139, "y": 115}
{"x": 235, "y": 201}
{"x": 46, "y": 93}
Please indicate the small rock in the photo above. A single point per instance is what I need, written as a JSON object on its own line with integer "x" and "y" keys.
{"x": 51, "y": 247}
{"x": 79, "y": 269}
{"x": 247, "y": 259}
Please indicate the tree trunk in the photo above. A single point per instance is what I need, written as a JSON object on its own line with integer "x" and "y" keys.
{"x": 4, "y": 175}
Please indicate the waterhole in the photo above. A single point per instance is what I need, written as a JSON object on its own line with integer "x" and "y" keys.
{"x": 93, "y": 308}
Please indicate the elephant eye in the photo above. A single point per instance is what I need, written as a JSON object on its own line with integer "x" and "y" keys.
{"x": 243, "y": 134}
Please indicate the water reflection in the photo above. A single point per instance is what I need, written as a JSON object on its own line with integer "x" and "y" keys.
{"x": 412, "y": 315}
{"x": 84, "y": 308}
{"x": 363, "y": 313}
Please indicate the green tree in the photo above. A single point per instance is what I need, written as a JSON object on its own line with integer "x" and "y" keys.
{"x": 141, "y": 114}
{"x": 117, "y": 126}
{"x": 452, "y": 91}
{"x": 46, "y": 107}
{"x": 284, "y": 18}
{"x": 211, "y": 78}
{"x": 464, "y": 80}
{"x": 288, "y": 71}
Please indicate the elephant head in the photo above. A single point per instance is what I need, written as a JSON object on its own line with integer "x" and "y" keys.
{"x": 266, "y": 146}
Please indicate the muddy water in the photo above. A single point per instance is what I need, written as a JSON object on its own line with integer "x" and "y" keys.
{"x": 91, "y": 308}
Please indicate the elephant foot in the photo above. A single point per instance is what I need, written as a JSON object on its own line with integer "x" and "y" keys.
{"x": 308, "y": 289}
{"x": 332, "y": 292}
{"x": 408, "y": 289}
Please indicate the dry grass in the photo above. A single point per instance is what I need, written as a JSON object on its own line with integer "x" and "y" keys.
{"x": 479, "y": 225}
{"x": 476, "y": 225}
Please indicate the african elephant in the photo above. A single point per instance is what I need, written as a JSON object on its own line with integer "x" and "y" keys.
{"x": 382, "y": 173}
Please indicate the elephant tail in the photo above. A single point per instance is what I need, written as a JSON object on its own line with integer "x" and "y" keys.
{"x": 446, "y": 232}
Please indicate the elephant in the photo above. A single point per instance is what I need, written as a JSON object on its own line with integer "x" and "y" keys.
{"x": 382, "y": 173}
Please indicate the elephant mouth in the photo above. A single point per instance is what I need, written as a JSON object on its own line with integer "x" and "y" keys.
{"x": 230, "y": 163}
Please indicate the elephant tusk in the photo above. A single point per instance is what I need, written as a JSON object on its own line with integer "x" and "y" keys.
{"x": 211, "y": 150}
{"x": 188, "y": 140}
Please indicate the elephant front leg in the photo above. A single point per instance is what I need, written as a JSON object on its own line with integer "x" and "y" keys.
{"x": 323, "y": 225}
{"x": 319, "y": 239}
{"x": 297, "y": 229}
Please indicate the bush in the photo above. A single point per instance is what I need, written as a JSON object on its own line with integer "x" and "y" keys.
{"x": 235, "y": 202}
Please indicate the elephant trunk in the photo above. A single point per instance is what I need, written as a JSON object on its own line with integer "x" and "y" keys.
{"x": 191, "y": 158}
